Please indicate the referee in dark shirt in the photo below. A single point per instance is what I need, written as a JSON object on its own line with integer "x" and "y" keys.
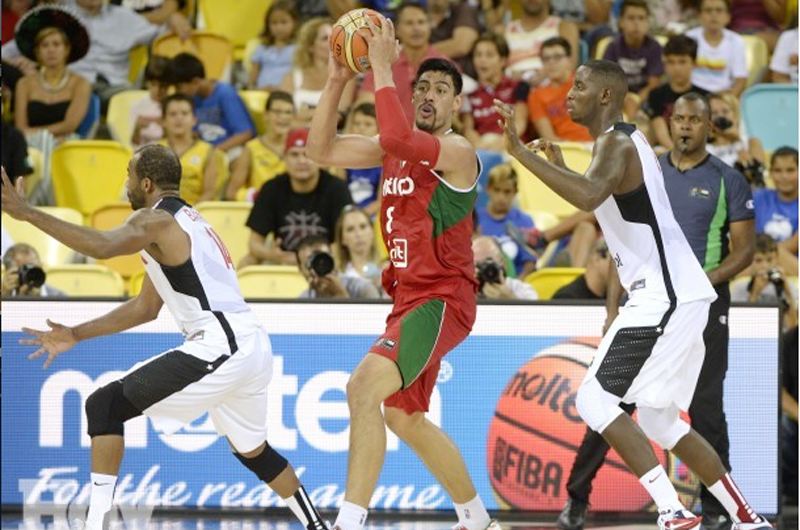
{"x": 713, "y": 205}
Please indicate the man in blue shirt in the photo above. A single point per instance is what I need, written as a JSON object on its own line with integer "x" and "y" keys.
{"x": 222, "y": 117}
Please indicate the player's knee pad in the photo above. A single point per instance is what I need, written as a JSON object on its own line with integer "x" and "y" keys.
{"x": 597, "y": 407}
{"x": 267, "y": 466}
{"x": 107, "y": 410}
{"x": 664, "y": 426}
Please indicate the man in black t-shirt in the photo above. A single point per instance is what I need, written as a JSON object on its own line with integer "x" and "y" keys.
{"x": 592, "y": 284}
{"x": 304, "y": 201}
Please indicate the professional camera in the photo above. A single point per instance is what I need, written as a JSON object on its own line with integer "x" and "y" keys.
{"x": 775, "y": 276}
{"x": 722, "y": 123}
{"x": 320, "y": 262}
{"x": 753, "y": 171}
{"x": 488, "y": 272}
{"x": 31, "y": 275}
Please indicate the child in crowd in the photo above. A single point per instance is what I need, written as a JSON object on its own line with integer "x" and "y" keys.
{"x": 262, "y": 159}
{"x": 548, "y": 103}
{"x": 222, "y": 117}
{"x": 145, "y": 114}
{"x": 273, "y": 57}
{"x": 365, "y": 184}
{"x": 776, "y": 209}
{"x": 500, "y": 211}
{"x": 479, "y": 118}
{"x": 680, "y": 54}
{"x": 768, "y": 283}
{"x": 720, "y": 52}
{"x": 198, "y": 161}
{"x": 635, "y": 50}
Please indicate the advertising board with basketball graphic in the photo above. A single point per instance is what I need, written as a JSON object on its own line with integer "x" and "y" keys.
{"x": 506, "y": 396}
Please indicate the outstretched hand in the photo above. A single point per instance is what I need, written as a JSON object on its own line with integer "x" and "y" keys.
{"x": 59, "y": 339}
{"x": 384, "y": 48}
{"x": 513, "y": 142}
{"x": 13, "y": 196}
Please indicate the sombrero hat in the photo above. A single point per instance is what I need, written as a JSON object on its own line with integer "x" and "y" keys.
{"x": 48, "y": 16}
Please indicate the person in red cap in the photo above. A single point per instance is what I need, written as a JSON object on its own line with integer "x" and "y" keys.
{"x": 304, "y": 201}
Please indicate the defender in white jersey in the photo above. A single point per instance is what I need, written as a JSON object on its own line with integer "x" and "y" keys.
{"x": 225, "y": 363}
{"x": 653, "y": 350}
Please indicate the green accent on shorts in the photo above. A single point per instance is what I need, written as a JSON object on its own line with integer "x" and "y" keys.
{"x": 419, "y": 332}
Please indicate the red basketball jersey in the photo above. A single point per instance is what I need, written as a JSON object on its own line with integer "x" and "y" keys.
{"x": 427, "y": 228}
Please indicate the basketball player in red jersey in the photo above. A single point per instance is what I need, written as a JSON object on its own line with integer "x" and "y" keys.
{"x": 428, "y": 193}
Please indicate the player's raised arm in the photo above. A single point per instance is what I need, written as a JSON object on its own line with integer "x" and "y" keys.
{"x": 325, "y": 146}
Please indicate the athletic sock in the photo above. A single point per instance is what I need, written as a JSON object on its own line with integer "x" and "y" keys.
{"x": 304, "y": 510}
{"x": 351, "y": 517}
{"x": 473, "y": 515}
{"x": 657, "y": 484}
{"x": 100, "y": 500}
{"x": 726, "y": 492}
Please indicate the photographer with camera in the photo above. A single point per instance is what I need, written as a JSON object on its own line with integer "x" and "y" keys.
{"x": 316, "y": 264}
{"x": 726, "y": 143}
{"x": 24, "y": 274}
{"x": 768, "y": 284}
{"x": 490, "y": 270}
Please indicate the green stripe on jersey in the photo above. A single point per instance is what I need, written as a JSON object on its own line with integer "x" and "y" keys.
{"x": 419, "y": 332}
{"x": 714, "y": 237}
{"x": 449, "y": 207}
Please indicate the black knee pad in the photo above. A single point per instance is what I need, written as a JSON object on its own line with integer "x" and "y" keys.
{"x": 267, "y": 466}
{"x": 107, "y": 410}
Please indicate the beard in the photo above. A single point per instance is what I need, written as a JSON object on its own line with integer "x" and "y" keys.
{"x": 427, "y": 126}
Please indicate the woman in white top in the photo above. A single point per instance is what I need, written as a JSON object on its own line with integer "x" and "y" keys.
{"x": 307, "y": 78}
{"x": 727, "y": 141}
{"x": 354, "y": 243}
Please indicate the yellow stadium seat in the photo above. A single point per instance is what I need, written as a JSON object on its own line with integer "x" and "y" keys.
{"x": 135, "y": 283}
{"x": 379, "y": 244}
{"x": 36, "y": 162}
{"x": 214, "y": 50}
{"x": 51, "y": 251}
{"x": 89, "y": 173}
{"x": 118, "y": 117}
{"x": 223, "y": 171}
{"x": 256, "y": 102}
{"x": 544, "y": 220}
{"x": 86, "y": 280}
{"x": 550, "y": 279}
{"x": 225, "y": 17}
{"x": 111, "y": 216}
{"x": 228, "y": 220}
{"x": 137, "y": 60}
{"x": 271, "y": 281}
{"x": 533, "y": 195}
{"x": 756, "y": 57}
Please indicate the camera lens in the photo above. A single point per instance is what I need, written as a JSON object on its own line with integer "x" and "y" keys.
{"x": 488, "y": 272}
{"x": 321, "y": 263}
{"x": 32, "y": 276}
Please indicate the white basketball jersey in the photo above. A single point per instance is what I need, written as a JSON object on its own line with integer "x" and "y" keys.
{"x": 202, "y": 294}
{"x": 652, "y": 256}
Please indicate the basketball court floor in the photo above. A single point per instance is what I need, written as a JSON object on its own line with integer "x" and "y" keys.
{"x": 216, "y": 520}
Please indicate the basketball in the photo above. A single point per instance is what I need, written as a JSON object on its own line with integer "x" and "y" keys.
{"x": 349, "y": 48}
{"x": 530, "y": 459}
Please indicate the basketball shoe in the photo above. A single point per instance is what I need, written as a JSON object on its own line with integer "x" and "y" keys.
{"x": 763, "y": 525}
{"x": 573, "y": 516}
{"x": 716, "y": 522}
{"x": 493, "y": 525}
{"x": 678, "y": 520}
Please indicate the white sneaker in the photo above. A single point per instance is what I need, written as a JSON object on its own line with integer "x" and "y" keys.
{"x": 677, "y": 520}
{"x": 493, "y": 525}
{"x": 763, "y": 525}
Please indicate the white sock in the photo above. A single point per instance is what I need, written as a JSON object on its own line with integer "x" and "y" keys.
{"x": 473, "y": 515}
{"x": 351, "y": 517}
{"x": 657, "y": 484}
{"x": 100, "y": 500}
{"x": 728, "y": 494}
{"x": 305, "y": 512}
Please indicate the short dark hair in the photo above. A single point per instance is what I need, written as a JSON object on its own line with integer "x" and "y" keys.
{"x": 406, "y": 5}
{"x": 13, "y": 250}
{"x": 609, "y": 74}
{"x": 278, "y": 95}
{"x": 444, "y": 66}
{"x": 310, "y": 241}
{"x": 366, "y": 108}
{"x": 184, "y": 68}
{"x": 782, "y": 152}
{"x": 765, "y": 244}
{"x": 552, "y": 42}
{"x": 681, "y": 45}
{"x": 692, "y": 97}
{"x": 160, "y": 164}
{"x": 634, "y": 3}
{"x": 726, "y": 2}
{"x": 156, "y": 68}
{"x": 498, "y": 40}
{"x": 287, "y": 6}
{"x": 176, "y": 97}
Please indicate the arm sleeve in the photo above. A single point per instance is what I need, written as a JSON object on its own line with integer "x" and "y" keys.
{"x": 397, "y": 138}
{"x": 739, "y": 197}
{"x": 235, "y": 114}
